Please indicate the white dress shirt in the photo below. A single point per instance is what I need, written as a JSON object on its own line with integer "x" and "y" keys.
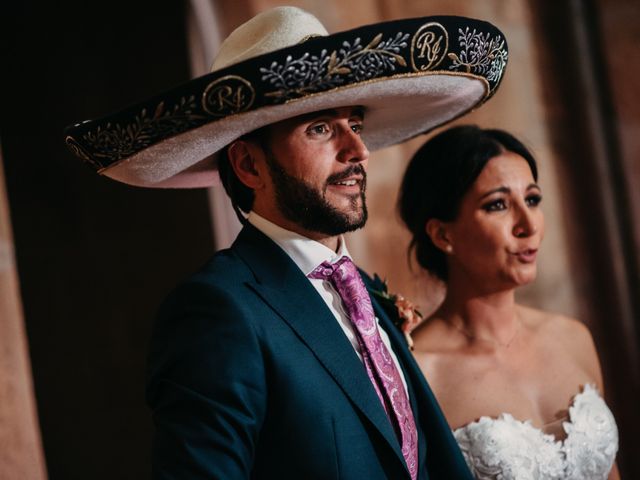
{"x": 307, "y": 254}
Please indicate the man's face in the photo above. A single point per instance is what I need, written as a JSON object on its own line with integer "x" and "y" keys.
{"x": 317, "y": 164}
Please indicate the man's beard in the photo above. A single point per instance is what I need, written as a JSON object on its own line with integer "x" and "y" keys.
{"x": 307, "y": 206}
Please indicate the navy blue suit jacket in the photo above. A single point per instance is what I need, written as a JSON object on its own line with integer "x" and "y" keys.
{"x": 250, "y": 376}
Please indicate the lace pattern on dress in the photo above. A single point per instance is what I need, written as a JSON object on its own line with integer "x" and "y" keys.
{"x": 505, "y": 448}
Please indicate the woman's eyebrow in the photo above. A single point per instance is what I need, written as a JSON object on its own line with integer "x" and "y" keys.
{"x": 496, "y": 190}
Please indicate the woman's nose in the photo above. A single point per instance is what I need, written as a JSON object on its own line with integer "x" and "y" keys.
{"x": 526, "y": 224}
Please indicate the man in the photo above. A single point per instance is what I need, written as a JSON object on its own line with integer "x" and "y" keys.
{"x": 274, "y": 361}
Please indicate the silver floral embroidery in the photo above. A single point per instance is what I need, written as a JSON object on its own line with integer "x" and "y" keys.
{"x": 480, "y": 54}
{"x": 114, "y": 142}
{"x": 353, "y": 62}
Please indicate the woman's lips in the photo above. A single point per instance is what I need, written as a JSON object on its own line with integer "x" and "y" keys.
{"x": 527, "y": 256}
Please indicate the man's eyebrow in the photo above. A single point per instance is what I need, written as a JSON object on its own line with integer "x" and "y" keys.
{"x": 357, "y": 112}
{"x": 330, "y": 112}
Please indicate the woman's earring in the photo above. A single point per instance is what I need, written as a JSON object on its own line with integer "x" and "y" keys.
{"x": 449, "y": 249}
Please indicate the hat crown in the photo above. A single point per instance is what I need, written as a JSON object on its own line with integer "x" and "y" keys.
{"x": 268, "y": 31}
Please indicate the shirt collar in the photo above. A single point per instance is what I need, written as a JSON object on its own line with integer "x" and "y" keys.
{"x": 307, "y": 254}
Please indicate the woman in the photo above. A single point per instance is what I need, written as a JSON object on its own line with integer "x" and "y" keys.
{"x": 521, "y": 388}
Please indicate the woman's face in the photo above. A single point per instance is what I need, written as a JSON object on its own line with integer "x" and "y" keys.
{"x": 500, "y": 225}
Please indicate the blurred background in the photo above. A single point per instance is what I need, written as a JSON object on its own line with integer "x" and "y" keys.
{"x": 85, "y": 261}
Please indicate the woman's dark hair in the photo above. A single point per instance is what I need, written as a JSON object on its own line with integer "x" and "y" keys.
{"x": 440, "y": 174}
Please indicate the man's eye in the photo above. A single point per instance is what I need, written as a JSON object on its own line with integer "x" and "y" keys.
{"x": 357, "y": 128}
{"x": 495, "y": 206}
{"x": 320, "y": 129}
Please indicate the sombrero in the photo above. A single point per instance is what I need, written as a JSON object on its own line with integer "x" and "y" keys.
{"x": 411, "y": 76}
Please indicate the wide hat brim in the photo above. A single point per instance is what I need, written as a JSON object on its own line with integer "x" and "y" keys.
{"x": 410, "y": 75}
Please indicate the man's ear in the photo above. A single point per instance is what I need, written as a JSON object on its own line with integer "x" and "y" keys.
{"x": 244, "y": 157}
{"x": 438, "y": 231}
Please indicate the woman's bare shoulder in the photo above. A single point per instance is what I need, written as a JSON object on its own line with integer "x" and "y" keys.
{"x": 553, "y": 323}
{"x": 567, "y": 333}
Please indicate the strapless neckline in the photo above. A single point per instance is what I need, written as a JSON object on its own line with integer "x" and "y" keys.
{"x": 588, "y": 389}
{"x": 506, "y": 448}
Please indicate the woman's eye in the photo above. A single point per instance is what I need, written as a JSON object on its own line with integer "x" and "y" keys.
{"x": 495, "y": 206}
{"x": 534, "y": 200}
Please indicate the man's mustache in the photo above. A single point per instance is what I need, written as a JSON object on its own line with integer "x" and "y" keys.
{"x": 350, "y": 171}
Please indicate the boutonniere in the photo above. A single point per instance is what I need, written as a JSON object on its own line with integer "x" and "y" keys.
{"x": 404, "y": 314}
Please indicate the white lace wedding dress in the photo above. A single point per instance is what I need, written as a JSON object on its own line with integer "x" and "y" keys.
{"x": 504, "y": 448}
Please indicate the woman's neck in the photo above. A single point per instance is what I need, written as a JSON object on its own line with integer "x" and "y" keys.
{"x": 481, "y": 316}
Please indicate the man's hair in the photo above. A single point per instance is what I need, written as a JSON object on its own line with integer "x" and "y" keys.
{"x": 241, "y": 196}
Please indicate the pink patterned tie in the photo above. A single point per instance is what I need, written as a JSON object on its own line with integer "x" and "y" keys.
{"x": 384, "y": 375}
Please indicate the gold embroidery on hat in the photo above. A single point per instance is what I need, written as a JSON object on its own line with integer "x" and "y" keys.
{"x": 362, "y": 86}
{"x": 78, "y": 151}
{"x": 114, "y": 141}
{"x": 228, "y": 95}
{"x": 429, "y": 46}
{"x": 309, "y": 37}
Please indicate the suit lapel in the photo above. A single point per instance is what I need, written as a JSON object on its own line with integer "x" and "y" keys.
{"x": 281, "y": 284}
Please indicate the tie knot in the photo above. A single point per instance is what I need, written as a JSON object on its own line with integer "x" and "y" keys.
{"x": 327, "y": 270}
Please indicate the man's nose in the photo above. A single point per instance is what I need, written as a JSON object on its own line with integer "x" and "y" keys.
{"x": 352, "y": 147}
